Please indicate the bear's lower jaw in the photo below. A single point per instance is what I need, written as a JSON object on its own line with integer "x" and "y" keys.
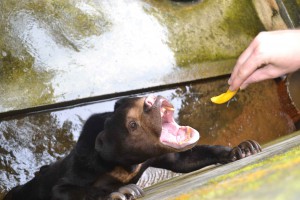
{"x": 178, "y": 137}
{"x": 172, "y": 134}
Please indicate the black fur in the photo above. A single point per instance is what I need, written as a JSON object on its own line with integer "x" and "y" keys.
{"x": 113, "y": 150}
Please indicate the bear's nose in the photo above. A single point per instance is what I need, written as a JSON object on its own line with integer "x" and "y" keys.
{"x": 149, "y": 101}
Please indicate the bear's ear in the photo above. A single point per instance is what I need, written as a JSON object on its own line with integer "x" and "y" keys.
{"x": 120, "y": 102}
{"x": 100, "y": 141}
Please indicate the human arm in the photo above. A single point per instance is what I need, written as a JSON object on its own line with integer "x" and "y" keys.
{"x": 270, "y": 55}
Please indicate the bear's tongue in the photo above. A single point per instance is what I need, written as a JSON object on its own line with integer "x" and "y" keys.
{"x": 174, "y": 135}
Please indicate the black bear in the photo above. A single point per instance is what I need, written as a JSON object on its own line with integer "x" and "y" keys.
{"x": 115, "y": 148}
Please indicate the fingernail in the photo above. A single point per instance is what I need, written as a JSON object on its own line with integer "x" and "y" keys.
{"x": 229, "y": 81}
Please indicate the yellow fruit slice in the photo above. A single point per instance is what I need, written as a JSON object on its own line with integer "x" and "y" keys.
{"x": 223, "y": 98}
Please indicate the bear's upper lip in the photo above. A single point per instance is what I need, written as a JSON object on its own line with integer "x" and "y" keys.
{"x": 172, "y": 134}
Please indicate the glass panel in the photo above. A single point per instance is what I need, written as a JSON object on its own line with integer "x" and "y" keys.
{"x": 27, "y": 143}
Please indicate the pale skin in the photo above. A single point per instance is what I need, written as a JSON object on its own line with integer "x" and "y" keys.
{"x": 270, "y": 55}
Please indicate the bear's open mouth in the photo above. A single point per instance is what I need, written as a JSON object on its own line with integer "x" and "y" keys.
{"x": 172, "y": 134}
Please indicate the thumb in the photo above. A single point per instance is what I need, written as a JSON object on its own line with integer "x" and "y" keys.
{"x": 261, "y": 74}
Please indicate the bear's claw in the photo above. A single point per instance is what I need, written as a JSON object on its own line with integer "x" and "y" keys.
{"x": 245, "y": 149}
{"x": 127, "y": 192}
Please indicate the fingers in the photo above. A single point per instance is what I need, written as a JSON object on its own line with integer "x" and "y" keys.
{"x": 244, "y": 70}
{"x": 264, "y": 73}
{"x": 242, "y": 59}
{"x": 254, "y": 57}
{"x": 270, "y": 54}
{"x": 240, "y": 73}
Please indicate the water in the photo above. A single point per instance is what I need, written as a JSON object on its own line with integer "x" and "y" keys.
{"x": 28, "y": 142}
{"x": 56, "y": 51}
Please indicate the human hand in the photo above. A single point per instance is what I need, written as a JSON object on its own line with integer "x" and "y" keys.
{"x": 270, "y": 55}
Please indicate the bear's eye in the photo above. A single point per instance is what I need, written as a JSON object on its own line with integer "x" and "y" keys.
{"x": 133, "y": 125}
